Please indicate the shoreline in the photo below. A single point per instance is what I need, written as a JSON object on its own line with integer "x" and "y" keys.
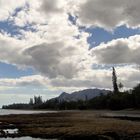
{"x": 70, "y": 125}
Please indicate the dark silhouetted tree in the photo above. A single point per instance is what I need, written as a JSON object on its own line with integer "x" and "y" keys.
{"x": 136, "y": 95}
{"x": 38, "y": 100}
{"x": 31, "y": 102}
{"x": 114, "y": 81}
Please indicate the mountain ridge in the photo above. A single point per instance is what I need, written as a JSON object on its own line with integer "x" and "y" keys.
{"x": 83, "y": 95}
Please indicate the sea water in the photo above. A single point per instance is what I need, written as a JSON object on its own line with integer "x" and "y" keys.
{"x": 12, "y": 111}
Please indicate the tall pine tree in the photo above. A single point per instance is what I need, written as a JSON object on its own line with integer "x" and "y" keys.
{"x": 114, "y": 81}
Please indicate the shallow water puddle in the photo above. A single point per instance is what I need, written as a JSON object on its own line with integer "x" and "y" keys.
{"x": 11, "y": 131}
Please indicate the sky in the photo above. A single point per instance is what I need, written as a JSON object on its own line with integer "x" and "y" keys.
{"x": 51, "y": 46}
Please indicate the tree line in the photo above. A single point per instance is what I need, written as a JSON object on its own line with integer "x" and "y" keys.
{"x": 115, "y": 100}
{"x": 33, "y": 103}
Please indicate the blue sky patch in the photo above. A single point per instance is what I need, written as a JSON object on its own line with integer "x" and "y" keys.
{"x": 99, "y": 35}
{"x": 8, "y": 27}
{"x": 10, "y": 71}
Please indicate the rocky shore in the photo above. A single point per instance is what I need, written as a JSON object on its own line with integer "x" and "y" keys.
{"x": 70, "y": 125}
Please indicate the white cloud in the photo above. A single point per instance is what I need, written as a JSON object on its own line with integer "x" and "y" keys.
{"x": 128, "y": 75}
{"x": 102, "y": 13}
{"x": 58, "y": 58}
{"x": 99, "y": 78}
{"x": 10, "y": 49}
{"x": 59, "y": 52}
{"x": 53, "y": 6}
{"x": 53, "y": 50}
{"x": 110, "y": 13}
{"x": 8, "y": 7}
{"x": 29, "y": 14}
{"x": 119, "y": 51}
{"x": 33, "y": 80}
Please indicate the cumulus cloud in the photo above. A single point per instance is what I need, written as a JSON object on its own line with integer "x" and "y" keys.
{"x": 10, "y": 49}
{"x": 53, "y": 59}
{"x": 53, "y": 49}
{"x": 59, "y": 51}
{"x": 8, "y": 7}
{"x": 128, "y": 75}
{"x": 53, "y": 6}
{"x": 57, "y": 59}
{"x": 124, "y": 50}
{"x": 33, "y": 80}
{"x": 110, "y": 13}
{"x": 50, "y": 60}
{"x": 28, "y": 14}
